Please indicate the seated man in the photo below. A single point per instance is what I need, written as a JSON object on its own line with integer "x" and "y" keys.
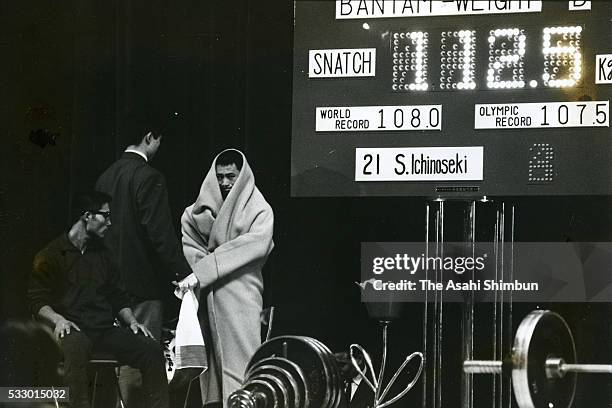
{"x": 75, "y": 287}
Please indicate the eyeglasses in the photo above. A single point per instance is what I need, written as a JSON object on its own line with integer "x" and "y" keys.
{"x": 105, "y": 214}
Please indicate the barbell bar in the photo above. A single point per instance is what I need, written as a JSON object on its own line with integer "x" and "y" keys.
{"x": 543, "y": 362}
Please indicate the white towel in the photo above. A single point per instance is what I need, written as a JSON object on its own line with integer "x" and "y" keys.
{"x": 189, "y": 349}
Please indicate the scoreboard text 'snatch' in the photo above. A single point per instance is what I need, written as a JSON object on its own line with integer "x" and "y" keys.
{"x": 461, "y": 97}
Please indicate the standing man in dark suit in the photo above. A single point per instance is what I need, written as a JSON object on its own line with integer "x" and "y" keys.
{"x": 143, "y": 238}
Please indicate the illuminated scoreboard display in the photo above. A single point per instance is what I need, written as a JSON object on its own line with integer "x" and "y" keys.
{"x": 452, "y": 98}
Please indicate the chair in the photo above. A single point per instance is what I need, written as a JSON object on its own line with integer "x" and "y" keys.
{"x": 99, "y": 360}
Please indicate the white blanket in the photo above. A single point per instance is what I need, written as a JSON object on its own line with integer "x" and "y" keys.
{"x": 227, "y": 243}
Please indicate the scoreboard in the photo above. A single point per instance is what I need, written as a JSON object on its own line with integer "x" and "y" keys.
{"x": 451, "y": 98}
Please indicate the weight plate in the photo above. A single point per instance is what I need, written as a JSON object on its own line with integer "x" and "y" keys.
{"x": 265, "y": 388}
{"x": 280, "y": 392}
{"x": 295, "y": 374}
{"x": 337, "y": 382}
{"x": 328, "y": 359}
{"x": 308, "y": 357}
{"x": 542, "y": 335}
{"x": 293, "y": 391}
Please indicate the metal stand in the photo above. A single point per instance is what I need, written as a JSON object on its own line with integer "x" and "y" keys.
{"x": 467, "y": 221}
{"x": 376, "y": 383}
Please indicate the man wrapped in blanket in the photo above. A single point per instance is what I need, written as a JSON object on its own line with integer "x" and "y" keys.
{"x": 227, "y": 237}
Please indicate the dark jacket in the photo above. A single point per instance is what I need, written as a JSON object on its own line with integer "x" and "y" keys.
{"x": 142, "y": 237}
{"x": 82, "y": 287}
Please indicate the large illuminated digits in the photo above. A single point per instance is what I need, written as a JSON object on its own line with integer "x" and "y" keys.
{"x": 506, "y": 54}
{"x": 410, "y": 56}
{"x": 457, "y": 59}
{"x": 562, "y": 56}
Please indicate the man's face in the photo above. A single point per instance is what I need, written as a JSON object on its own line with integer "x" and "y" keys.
{"x": 98, "y": 222}
{"x": 227, "y": 176}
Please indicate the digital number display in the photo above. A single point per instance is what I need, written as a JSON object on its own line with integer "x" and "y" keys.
{"x": 506, "y": 58}
{"x": 560, "y": 47}
{"x": 561, "y": 68}
{"x": 410, "y": 58}
{"x": 457, "y": 60}
{"x": 541, "y": 163}
{"x": 522, "y": 86}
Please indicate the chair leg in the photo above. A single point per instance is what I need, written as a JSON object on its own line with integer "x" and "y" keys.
{"x": 93, "y": 392}
{"x": 121, "y": 401}
{"x": 188, "y": 392}
{"x": 55, "y": 398}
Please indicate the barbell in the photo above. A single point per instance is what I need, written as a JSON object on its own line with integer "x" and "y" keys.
{"x": 291, "y": 372}
{"x": 542, "y": 364}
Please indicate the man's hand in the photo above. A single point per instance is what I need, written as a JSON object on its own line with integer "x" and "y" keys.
{"x": 136, "y": 327}
{"x": 190, "y": 282}
{"x": 62, "y": 327}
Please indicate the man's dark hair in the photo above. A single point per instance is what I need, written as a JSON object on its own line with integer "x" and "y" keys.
{"x": 138, "y": 125}
{"x": 88, "y": 201}
{"x": 230, "y": 157}
{"x": 29, "y": 354}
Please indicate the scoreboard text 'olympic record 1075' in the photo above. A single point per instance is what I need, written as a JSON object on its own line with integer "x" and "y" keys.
{"x": 452, "y": 98}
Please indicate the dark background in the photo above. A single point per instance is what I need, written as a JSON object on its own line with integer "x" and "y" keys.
{"x": 80, "y": 68}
